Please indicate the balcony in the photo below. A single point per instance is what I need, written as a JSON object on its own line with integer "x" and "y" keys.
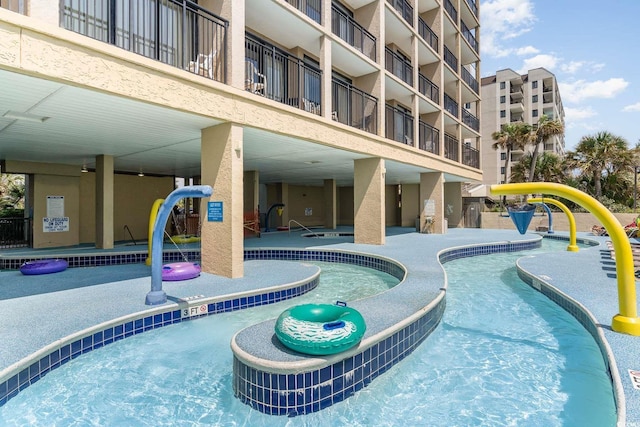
{"x": 450, "y": 59}
{"x": 450, "y": 105}
{"x": 18, "y": 6}
{"x": 450, "y": 147}
{"x": 354, "y": 107}
{"x": 451, "y": 10}
{"x": 404, "y": 8}
{"x": 311, "y": 8}
{"x": 277, "y": 75}
{"x": 353, "y": 33}
{"x": 470, "y": 80}
{"x": 473, "y": 6}
{"x": 429, "y": 138}
{"x": 398, "y": 66}
{"x": 398, "y": 125}
{"x": 466, "y": 33}
{"x": 176, "y": 32}
{"x": 470, "y": 156}
{"x": 470, "y": 120}
{"x": 427, "y": 34}
{"x": 428, "y": 88}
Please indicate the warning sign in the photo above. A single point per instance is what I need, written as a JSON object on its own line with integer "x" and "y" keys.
{"x": 54, "y": 225}
{"x": 635, "y": 378}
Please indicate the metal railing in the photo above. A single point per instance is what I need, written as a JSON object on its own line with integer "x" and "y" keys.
{"x": 427, "y": 34}
{"x": 277, "y": 75}
{"x": 15, "y": 232}
{"x": 466, "y": 33}
{"x": 301, "y": 226}
{"x": 428, "y": 138}
{"x": 353, "y": 33}
{"x": 398, "y": 125}
{"x": 354, "y": 107}
{"x": 450, "y": 147}
{"x": 451, "y": 106}
{"x": 473, "y": 6}
{"x": 470, "y": 120}
{"x": 398, "y": 66}
{"x": 451, "y": 10}
{"x": 428, "y": 88}
{"x": 18, "y": 6}
{"x": 450, "y": 59}
{"x": 176, "y": 32}
{"x": 470, "y": 156}
{"x": 311, "y": 8}
{"x": 404, "y": 8}
{"x": 470, "y": 80}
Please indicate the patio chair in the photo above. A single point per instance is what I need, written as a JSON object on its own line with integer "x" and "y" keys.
{"x": 203, "y": 65}
{"x": 254, "y": 81}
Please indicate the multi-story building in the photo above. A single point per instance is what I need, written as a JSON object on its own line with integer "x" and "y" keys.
{"x": 511, "y": 97}
{"x": 347, "y": 112}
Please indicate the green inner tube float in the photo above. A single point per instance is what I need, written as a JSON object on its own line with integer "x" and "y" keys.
{"x": 320, "y": 329}
{"x": 182, "y": 239}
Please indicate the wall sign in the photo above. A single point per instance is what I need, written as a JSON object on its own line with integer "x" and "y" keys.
{"x": 214, "y": 211}
{"x": 55, "y": 225}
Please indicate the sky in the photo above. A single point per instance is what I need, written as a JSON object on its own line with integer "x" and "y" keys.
{"x": 590, "y": 46}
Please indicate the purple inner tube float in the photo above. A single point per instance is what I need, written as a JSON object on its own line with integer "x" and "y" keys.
{"x": 180, "y": 271}
{"x": 43, "y": 266}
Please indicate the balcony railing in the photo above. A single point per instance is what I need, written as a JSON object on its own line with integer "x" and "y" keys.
{"x": 473, "y": 6}
{"x": 427, "y": 34}
{"x": 398, "y": 125}
{"x": 470, "y": 120}
{"x": 428, "y": 88}
{"x": 311, "y": 8}
{"x": 450, "y": 105}
{"x": 429, "y": 138}
{"x": 468, "y": 35}
{"x": 399, "y": 66}
{"x": 470, "y": 80}
{"x": 404, "y": 8}
{"x": 15, "y": 232}
{"x": 176, "y": 32}
{"x": 277, "y": 75}
{"x": 451, "y": 10}
{"x": 353, "y": 33}
{"x": 470, "y": 156}
{"x": 450, "y": 59}
{"x": 18, "y": 6}
{"x": 354, "y": 107}
{"x": 450, "y": 147}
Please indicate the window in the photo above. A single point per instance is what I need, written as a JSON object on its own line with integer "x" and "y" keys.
{"x": 467, "y": 105}
{"x": 534, "y": 98}
{"x": 534, "y": 84}
{"x": 503, "y": 113}
{"x": 503, "y": 99}
{"x": 534, "y": 113}
{"x": 502, "y": 170}
{"x": 503, "y": 85}
{"x": 503, "y": 156}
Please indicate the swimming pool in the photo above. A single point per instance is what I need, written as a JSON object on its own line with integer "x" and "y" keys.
{"x": 480, "y": 367}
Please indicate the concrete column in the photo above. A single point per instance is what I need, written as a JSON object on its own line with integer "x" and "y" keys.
{"x": 251, "y": 190}
{"x": 104, "y": 202}
{"x": 45, "y": 10}
{"x": 369, "y": 201}
{"x": 233, "y": 11}
{"x": 325, "y": 64}
{"x": 221, "y": 163}
{"x": 431, "y": 189}
{"x": 453, "y": 203}
{"x": 330, "y": 204}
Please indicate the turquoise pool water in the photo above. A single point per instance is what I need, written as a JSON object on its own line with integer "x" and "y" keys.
{"x": 504, "y": 355}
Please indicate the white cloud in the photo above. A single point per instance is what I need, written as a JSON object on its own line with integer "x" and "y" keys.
{"x": 632, "y": 108}
{"x": 579, "y": 90}
{"x": 576, "y": 114}
{"x": 543, "y": 60}
{"x": 572, "y": 67}
{"x": 527, "y": 50}
{"x": 502, "y": 20}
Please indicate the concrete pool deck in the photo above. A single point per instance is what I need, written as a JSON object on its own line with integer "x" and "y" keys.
{"x": 80, "y": 297}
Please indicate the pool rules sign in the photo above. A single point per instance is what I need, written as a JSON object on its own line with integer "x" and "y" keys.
{"x": 55, "y": 221}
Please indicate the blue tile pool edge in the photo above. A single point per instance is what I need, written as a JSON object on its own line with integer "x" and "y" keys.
{"x": 295, "y": 388}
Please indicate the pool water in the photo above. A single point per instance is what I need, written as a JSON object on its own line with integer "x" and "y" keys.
{"x": 504, "y": 355}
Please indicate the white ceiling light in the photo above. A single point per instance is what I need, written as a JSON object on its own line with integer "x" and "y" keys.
{"x": 25, "y": 116}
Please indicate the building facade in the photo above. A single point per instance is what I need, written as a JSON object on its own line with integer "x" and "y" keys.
{"x": 359, "y": 112}
{"x": 511, "y": 97}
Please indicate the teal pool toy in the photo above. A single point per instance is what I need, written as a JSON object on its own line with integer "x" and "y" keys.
{"x": 320, "y": 329}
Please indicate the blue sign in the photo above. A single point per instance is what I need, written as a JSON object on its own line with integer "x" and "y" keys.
{"x": 214, "y": 211}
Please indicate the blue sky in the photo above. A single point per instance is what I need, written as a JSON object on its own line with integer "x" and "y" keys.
{"x": 590, "y": 47}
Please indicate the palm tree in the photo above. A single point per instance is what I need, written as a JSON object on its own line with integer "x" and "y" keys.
{"x": 549, "y": 168}
{"x": 511, "y": 136}
{"x": 545, "y": 130}
{"x": 598, "y": 155}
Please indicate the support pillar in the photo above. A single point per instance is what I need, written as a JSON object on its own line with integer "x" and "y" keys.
{"x": 221, "y": 163}
{"x": 251, "y": 190}
{"x": 104, "y": 202}
{"x": 330, "y": 204}
{"x": 432, "y": 201}
{"x": 453, "y": 203}
{"x": 369, "y": 201}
